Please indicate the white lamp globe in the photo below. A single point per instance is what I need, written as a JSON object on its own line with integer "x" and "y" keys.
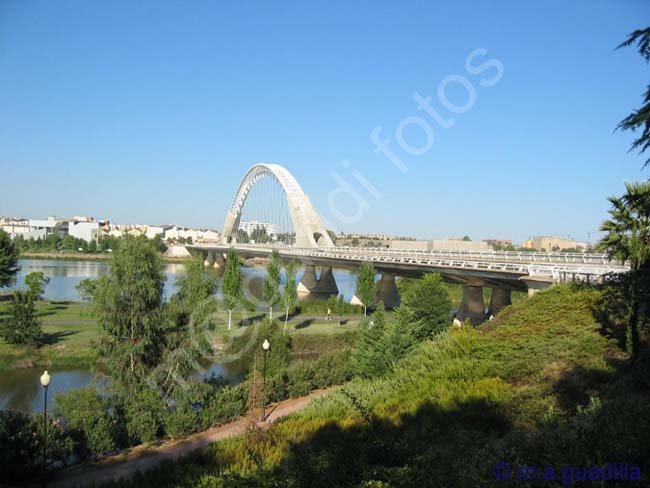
{"x": 45, "y": 379}
{"x": 266, "y": 345}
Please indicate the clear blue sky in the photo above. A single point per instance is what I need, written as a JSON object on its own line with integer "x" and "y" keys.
{"x": 151, "y": 111}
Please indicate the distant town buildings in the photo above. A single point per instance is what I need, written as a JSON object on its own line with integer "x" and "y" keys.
{"x": 431, "y": 244}
{"x": 553, "y": 243}
{"x": 89, "y": 229}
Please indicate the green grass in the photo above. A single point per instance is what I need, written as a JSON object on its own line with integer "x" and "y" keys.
{"x": 68, "y": 332}
{"x": 69, "y": 329}
{"x": 518, "y": 389}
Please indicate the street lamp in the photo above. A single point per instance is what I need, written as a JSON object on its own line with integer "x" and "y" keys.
{"x": 266, "y": 345}
{"x": 45, "y": 382}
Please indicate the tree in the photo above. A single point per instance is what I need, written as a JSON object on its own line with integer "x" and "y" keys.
{"x": 86, "y": 289}
{"x": 158, "y": 243}
{"x": 289, "y": 293}
{"x": 628, "y": 239}
{"x": 35, "y": 283}
{"x": 369, "y": 358}
{"x": 366, "y": 285}
{"x": 466, "y": 238}
{"x": 196, "y": 283}
{"x": 429, "y": 302}
{"x": 129, "y": 304}
{"x": 92, "y": 246}
{"x": 232, "y": 288}
{"x": 8, "y": 260}
{"x": 639, "y": 119}
{"x": 272, "y": 283}
{"x": 23, "y": 327}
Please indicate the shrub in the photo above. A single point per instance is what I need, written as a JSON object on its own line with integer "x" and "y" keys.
{"x": 87, "y": 419}
{"x": 143, "y": 412}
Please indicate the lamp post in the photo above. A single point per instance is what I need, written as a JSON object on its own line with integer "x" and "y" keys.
{"x": 266, "y": 345}
{"x": 45, "y": 382}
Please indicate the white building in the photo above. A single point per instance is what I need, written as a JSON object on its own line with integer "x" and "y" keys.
{"x": 88, "y": 231}
{"x": 252, "y": 225}
{"x": 154, "y": 230}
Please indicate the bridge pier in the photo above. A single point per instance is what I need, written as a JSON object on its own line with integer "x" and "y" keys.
{"x": 219, "y": 260}
{"x": 500, "y": 299}
{"x": 311, "y": 285}
{"x": 387, "y": 291}
{"x": 209, "y": 259}
{"x": 536, "y": 285}
{"x": 472, "y": 307}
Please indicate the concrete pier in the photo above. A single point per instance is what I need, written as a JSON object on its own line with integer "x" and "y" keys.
{"x": 209, "y": 259}
{"x": 500, "y": 299}
{"x": 387, "y": 291}
{"x": 310, "y": 284}
{"x": 472, "y": 307}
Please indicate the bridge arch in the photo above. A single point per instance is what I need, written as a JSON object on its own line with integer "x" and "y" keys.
{"x": 309, "y": 230}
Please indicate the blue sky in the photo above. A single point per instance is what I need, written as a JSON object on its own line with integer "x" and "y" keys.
{"x": 152, "y": 111}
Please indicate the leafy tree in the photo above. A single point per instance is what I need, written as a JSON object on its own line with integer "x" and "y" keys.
{"x": 36, "y": 282}
{"x": 232, "y": 288}
{"x": 272, "y": 283}
{"x": 92, "y": 246}
{"x": 289, "y": 293}
{"x": 159, "y": 243}
{"x": 628, "y": 239}
{"x": 69, "y": 243}
{"x": 242, "y": 236}
{"x": 369, "y": 358}
{"x": 640, "y": 118}
{"x": 86, "y": 289}
{"x": 8, "y": 260}
{"x": 466, "y": 238}
{"x": 23, "y": 327}
{"x": 429, "y": 303}
{"x": 366, "y": 285}
{"x": 196, "y": 283}
{"x": 129, "y": 302}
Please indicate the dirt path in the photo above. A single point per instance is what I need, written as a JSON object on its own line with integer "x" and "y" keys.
{"x": 145, "y": 458}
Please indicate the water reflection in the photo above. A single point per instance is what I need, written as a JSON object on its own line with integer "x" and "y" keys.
{"x": 21, "y": 389}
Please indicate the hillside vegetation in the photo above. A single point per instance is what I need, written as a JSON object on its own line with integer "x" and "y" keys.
{"x": 541, "y": 385}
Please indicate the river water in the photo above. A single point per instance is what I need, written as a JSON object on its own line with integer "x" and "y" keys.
{"x": 20, "y": 389}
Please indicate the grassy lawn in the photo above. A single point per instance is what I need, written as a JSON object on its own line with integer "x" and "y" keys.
{"x": 70, "y": 328}
{"x": 68, "y": 331}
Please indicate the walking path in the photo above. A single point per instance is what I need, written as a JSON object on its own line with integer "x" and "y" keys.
{"x": 143, "y": 458}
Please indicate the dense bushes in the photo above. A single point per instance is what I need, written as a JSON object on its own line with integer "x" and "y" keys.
{"x": 88, "y": 421}
{"x": 538, "y": 386}
{"x": 423, "y": 313}
{"x": 327, "y": 370}
{"x": 21, "y": 446}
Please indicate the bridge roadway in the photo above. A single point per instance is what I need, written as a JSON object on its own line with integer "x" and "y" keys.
{"x": 503, "y": 272}
{"x": 512, "y": 270}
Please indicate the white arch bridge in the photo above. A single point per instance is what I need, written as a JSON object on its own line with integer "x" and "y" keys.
{"x": 501, "y": 271}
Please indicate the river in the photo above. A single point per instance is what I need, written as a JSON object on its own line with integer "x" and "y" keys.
{"x": 20, "y": 389}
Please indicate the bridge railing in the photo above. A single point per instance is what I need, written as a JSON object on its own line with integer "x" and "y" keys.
{"x": 450, "y": 259}
{"x": 521, "y": 256}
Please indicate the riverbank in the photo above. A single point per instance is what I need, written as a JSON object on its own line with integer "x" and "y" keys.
{"x": 80, "y": 256}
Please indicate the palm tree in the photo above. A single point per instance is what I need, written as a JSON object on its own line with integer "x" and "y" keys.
{"x": 628, "y": 239}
